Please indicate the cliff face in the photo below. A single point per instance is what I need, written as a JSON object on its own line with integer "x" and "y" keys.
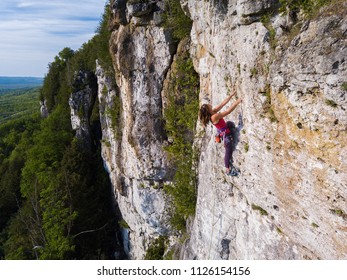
{"x": 131, "y": 117}
{"x": 81, "y": 104}
{"x": 289, "y": 201}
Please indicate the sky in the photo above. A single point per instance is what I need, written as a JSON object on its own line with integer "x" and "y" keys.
{"x": 33, "y": 32}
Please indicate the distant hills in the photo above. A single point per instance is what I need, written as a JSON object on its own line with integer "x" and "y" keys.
{"x": 7, "y": 83}
{"x": 16, "y": 103}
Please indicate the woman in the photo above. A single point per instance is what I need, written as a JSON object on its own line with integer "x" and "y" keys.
{"x": 208, "y": 114}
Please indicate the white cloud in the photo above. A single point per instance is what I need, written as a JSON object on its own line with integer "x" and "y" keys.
{"x": 33, "y": 32}
{"x": 23, "y": 5}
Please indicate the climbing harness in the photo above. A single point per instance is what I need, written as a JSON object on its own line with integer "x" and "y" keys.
{"x": 221, "y": 134}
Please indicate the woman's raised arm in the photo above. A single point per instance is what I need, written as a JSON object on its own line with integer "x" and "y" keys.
{"x": 220, "y": 115}
{"x": 224, "y": 102}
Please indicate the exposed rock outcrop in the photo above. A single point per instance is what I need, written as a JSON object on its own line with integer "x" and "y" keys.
{"x": 81, "y": 104}
{"x": 43, "y": 109}
{"x": 132, "y": 125}
{"x": 289, "y": 201}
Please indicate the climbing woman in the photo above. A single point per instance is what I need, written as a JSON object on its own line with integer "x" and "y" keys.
{"x": 208, "y": 114}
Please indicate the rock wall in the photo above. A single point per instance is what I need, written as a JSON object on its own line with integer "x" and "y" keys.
{"x": 289, "y": 201}
{"x": 133, "y": 144}
{"x": 81, "y": 104}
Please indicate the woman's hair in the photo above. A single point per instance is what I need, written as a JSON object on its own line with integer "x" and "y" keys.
{"x": 204, "y": 114}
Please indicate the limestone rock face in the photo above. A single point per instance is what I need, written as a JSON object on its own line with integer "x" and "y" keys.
{"x": 132, "y": 126}
{"x": 289, "y": 202}
{"x": 81, "y": 104}
{"x": 43, "y": 109}
{"x": 290, "y": 137}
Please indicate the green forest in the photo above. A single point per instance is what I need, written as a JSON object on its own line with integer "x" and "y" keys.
{"x": 17, "y": 103}
{"x": 55, "y": 195}
{"x": 56, "y": 200}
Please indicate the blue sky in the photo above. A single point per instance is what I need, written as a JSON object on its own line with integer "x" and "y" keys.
{"x": 33, "y": 32}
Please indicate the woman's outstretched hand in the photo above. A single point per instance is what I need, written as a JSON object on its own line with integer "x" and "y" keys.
{"x": 233, "y": 91}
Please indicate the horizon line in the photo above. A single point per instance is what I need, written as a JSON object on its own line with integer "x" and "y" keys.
{"x": 41, "y": 77}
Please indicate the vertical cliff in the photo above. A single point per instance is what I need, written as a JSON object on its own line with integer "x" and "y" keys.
{"x": 81, "y": 104}
{"x": 132, "y": 123}
{"x": 289, "y": 201}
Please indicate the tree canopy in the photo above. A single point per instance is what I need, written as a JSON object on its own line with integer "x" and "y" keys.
{"x": 56, "y": 196}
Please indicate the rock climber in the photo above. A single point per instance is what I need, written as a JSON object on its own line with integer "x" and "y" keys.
{"x": 208, "y": 114}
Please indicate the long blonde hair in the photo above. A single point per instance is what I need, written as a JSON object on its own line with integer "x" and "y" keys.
{"x": 204, "y": 114}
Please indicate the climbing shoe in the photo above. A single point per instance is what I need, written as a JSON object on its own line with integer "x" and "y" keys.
{"x": 234, "y": 171}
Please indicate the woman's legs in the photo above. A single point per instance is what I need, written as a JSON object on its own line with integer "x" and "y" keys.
{"x": 228, "y": 144}
{"x": 228, "y": 151}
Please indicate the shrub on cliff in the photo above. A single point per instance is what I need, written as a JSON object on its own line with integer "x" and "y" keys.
{"x": 180, "y": 116}
{"x": 307, "y": 6}
{"x": 176, "y": 20}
